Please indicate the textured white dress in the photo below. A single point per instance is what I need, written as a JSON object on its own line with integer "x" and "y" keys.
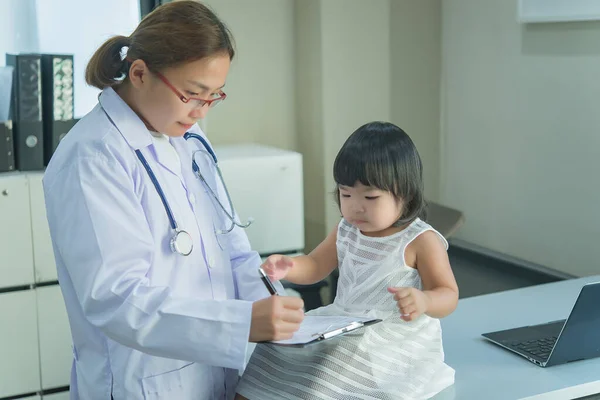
{"x": 390, "y": 360}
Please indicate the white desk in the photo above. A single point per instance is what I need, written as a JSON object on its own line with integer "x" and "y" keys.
{"x": 487, "y": 371}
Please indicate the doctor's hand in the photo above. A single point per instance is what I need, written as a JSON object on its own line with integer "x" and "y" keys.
{"x": 275, "y": 318}
{"x": 411, "y": 302}
{"x": 277, "y": 266}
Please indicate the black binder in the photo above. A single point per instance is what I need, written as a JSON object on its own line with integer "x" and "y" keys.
{"x": 7, "y": 154}
{"x": 58, "y": 104}
{"x": 7, "y": 150}
{"x": 27, "y": 111}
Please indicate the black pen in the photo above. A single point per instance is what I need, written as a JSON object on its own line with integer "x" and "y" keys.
{"x": 270, "y": 287}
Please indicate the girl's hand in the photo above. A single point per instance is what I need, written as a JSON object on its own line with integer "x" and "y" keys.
{"x": 411, "y": 302}
{"x": 277, "y": 266}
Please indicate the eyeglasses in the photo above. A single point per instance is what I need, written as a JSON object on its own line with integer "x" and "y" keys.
{"x": 195, "y": 101}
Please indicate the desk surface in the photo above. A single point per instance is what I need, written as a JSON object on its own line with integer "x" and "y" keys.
{"x": 485, "y": 370}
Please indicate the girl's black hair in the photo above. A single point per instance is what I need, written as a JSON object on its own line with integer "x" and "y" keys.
{"x": 381, "y": 155}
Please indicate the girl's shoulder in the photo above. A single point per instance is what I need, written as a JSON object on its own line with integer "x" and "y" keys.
{"x": 425, "y": 237}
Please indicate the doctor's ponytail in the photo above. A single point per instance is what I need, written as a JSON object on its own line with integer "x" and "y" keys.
{"x": 106, "y": 66}
{"x": 173, "y": 34}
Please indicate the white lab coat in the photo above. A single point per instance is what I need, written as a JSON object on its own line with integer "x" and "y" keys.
{"x": 146, "y": 323}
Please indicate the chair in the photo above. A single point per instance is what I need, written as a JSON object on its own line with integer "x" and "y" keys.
{"x": 444, "y": 219}
{"x": 311, "y": 294}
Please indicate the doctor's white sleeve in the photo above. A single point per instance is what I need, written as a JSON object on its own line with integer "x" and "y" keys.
{"x": 101, "y": 235}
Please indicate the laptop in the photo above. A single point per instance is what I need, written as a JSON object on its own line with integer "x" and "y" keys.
{"x": 558, "y": 342}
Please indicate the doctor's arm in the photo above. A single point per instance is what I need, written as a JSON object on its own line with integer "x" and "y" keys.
{"x": 101, "y": 234}
{"x": 272, "y": 315}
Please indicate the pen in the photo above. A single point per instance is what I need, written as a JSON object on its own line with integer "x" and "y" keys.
{"x": 267, "y": 282}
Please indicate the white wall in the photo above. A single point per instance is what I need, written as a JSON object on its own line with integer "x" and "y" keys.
{"x": 309, "y": 116}
{"x": 356, "y": 77}
{"x": 520, "y": 138}
{"x": 260, "y": 106}
{"x": 415, "y": 34}
{"x": 17, "y": 33}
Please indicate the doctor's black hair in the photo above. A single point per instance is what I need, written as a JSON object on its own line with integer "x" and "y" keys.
{"x": 172, "y": 34}
{"x": 382, "y": 155}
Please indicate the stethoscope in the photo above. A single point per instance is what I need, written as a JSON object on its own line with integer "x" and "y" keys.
{"x": 181, "y": 242}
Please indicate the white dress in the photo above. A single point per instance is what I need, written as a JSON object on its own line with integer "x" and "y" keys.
{"x": 390, "y": 360}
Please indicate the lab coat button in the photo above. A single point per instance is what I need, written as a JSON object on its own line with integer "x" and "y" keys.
{"x": 192, "y": 198}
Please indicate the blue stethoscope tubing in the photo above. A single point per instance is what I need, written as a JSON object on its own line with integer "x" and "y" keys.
{"x": 182, "y": 242}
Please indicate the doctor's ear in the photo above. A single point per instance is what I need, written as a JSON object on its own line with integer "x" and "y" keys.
{"x": 138, "y": 72}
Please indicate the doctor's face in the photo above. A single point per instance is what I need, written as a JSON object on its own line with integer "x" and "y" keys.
{"x": 159, "y": 100}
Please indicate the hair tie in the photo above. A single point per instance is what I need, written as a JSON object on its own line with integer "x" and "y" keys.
{"x": 123, "y": 52}
{"x": 125, "y": 64}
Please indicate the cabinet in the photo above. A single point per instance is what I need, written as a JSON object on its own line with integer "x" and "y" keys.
{"x": 35, "y": 341}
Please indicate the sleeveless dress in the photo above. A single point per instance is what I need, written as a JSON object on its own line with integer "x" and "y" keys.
{"x": 391, "y": 360}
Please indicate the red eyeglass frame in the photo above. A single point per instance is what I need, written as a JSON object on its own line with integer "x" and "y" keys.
{"x": 201, "y": 102}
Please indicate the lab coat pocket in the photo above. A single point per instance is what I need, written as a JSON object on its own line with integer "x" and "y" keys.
{"x": 169, "y": 385}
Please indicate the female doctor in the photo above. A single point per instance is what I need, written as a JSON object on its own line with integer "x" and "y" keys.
{"x": 161, "y": 288}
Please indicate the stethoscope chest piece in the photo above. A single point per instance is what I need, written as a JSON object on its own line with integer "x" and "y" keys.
{"x": 181, "y": 243}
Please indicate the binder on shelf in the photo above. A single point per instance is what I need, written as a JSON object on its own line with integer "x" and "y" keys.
{"x": 7, "y": 150}
{"x": 58, "y": 105}
{"x": 6, "y": 89}
{"x": 27, "y": 111}
{"x": 7, "y": 153}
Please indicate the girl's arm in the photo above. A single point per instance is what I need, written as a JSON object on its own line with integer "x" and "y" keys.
{"x": 315, "y": 266}
{"x": 439, "y": 296}
{"x": 439, "y": 285}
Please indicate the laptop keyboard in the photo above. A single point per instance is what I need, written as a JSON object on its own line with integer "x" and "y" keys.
{"x": 538, "y": 347}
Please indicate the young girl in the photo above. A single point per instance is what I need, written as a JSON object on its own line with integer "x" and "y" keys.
{"x": 392, "y": 266}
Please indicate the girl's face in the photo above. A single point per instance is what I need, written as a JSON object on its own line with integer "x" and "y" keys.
{"x": 371, "y": 210}
{"x": 160, "y": 106}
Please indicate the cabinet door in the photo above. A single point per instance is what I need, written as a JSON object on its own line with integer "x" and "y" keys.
{"x": 43, "y": 256}
{"x": 16, "y": 260}
{"x": 19, "y": 355}
{"x": 278, "y": 217}
{"x": 55, "y": 338}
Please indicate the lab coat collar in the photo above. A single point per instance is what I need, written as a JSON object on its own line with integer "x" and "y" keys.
{"x": 132, "y": 128}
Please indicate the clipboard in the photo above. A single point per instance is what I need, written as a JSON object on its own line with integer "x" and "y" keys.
{"x": 316, "y": 328}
